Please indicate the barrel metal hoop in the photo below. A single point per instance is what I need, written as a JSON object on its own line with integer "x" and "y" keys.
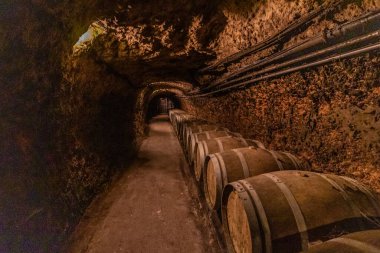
{"x": 201, "y": 150}
{"x": 220, "y": 145}
{"x": 279, "y": 163}
{"x": 244, "y": 141}
{"x": 207, "y": 135}
{"x": 223, "y": 168}
{"x": 259, "y": 144}
{"x": 252, "y": 216}
{"x": 361, "y": 246}
{"x": 243, "y": 162}
{"x": 293, "y": 159}
{"x": 190, "y": 150}
{"x": 205, "y": 148}
{"x": 195, "y": 137}
{"x": 182, "y": 131}
{"x": 349, "y": 200}
{"x": 261, "y": 212}
{"x": 298, "y": 216}
{"x": 369, "y": 194}
{"x": 202, "y": 158}
{"x": 189, "y": 133}
{"x": 237, "y": 186}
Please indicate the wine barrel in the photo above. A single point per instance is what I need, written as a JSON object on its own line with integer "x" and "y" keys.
{"x": 179, "y": 119}
{"x": 367, "y": 241}
{"x": 187, "y": 123}
{"x": 285, "y": 211}
{"x": 207, "y": 135}
{"x": 199, "y": 128}
{"x": 225, "y": 167}
{"x": 204, "y": 148}
{"x": 174, "y": 112}
{"x": 174, "y": 117}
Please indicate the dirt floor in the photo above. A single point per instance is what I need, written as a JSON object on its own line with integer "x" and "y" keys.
{"x": 149, "y": 209}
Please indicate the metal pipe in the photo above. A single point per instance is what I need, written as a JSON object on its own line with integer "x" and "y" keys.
{"x": 278, "y": 37}
{"x": 332, "y": 49}
{"x": 368, "y": 22}
{"x": 349, "y": 54}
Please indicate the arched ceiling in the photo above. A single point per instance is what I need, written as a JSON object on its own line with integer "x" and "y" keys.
{"x": 146, "y": 42}
{"x": 183, "y": 86}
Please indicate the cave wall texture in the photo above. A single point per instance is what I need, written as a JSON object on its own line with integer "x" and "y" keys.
{"x": 60, "y": 113}
{"x": 329, "y": 116}
{"x": 36, "y": 211}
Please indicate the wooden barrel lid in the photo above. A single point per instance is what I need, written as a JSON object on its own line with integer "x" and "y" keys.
{"x": 238, "y": 224}
{"x": 211, "y": 184}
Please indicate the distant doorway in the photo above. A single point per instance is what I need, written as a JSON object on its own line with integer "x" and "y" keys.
{"x": 162, "y": 105}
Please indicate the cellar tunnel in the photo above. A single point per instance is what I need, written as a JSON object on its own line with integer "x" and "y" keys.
{"x": 162, "y": 104}
{"x": 81, "y": 82}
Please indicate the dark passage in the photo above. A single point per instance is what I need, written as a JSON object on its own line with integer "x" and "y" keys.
{"x": 162, "y": 105}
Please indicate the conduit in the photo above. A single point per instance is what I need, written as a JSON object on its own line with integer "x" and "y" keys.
{"x": 361, "y": 25}
{"x": 279, "y": 37}
{"x": 349, "y": 54}
{"x": 341, "y": 39}
{"x": 333, "y": 49}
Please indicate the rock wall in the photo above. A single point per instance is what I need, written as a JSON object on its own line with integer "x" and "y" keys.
{"x": 328, "y": 116}
{"x": 97, "y": 134}
{"x": 60, "y": 115}
{"x": 67, "y": 124}
{"x": 37, "y": 182}
{"x": 27, "y": 157}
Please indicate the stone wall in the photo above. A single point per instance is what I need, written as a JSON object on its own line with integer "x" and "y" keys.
{"x": 37, "y": 202}
{"x": 97, "y": 134}
{"x": 329, "y": 116}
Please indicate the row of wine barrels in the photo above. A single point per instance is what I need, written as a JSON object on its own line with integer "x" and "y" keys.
{"x": 179, "y": 120}
{"x": 232, "y": 165}
{"x": 174, "y": 116}
{"x": 186, "y": 119}
{"x": 286, "y": 211}
{"x": 367, "y": 241}
{"x": 188, "y": 124}
{"x": 174, "y": 112}
{"x": 270, "y": 206}
{"x": 206, "y": 147}
{"x": 206, "y": 135}
{"x": 190, "y": 130}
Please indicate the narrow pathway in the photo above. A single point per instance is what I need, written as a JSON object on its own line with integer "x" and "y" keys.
{"x": 149, "y": 209}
